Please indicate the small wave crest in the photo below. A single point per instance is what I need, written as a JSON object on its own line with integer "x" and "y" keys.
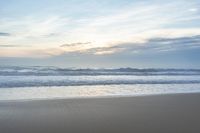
{"x": 38, "y": 81}
{"x": 53, "y": 71}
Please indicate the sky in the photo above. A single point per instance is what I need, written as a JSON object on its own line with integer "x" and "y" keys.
{"x": 100, "y": 33}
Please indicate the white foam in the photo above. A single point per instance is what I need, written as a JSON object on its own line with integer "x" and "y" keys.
{"x": 34, "y": 93}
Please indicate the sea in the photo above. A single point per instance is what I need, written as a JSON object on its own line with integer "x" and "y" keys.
{"x": 36, "y": 82}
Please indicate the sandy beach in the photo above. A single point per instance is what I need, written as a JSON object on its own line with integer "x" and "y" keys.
{"x": 173, "y": 113}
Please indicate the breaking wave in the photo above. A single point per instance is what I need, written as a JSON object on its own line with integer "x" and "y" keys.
{"x": 51, "y": 76}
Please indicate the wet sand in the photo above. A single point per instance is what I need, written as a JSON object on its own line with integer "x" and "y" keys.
{"x": 173, "y": 113}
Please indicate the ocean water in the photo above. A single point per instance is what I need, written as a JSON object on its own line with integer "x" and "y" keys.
{"x": 50, "y": 82}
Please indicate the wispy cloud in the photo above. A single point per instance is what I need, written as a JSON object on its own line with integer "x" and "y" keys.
{"x": 134, "y": 21}
{"x": 4, "y": 34}
{"x": 39, "y": 32}
{"x": 27, "y": 52}
{"x": 160, "y": 45}
{"x": 137, "y": 22}
{"x": 104, "y": 50}
{"x": 75, "y": 44}
{"x": 11, "y": 46}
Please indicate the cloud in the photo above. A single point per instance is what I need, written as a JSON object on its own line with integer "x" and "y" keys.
{"x": 137, "y": 23}
{"x": 26, "y": 52}
{"x": 135, "y": 20}
{"x": 42, "y": 32}
{"x": 4, "y": 34}
{"x": 160, "y": 45}
{"x": 103, "y": 50}
{"x": 75, "y": 44}
{"x": 151, "y": 45}
{"x": 10, "y": 46}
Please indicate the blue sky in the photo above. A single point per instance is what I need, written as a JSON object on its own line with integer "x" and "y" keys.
{"x": 100, "y": 33}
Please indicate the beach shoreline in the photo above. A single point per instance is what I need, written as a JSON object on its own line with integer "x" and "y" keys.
{"x": 153, "y": 113}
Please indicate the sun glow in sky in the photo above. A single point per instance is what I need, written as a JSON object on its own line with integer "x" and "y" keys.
{"x": 93, "y": 28}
